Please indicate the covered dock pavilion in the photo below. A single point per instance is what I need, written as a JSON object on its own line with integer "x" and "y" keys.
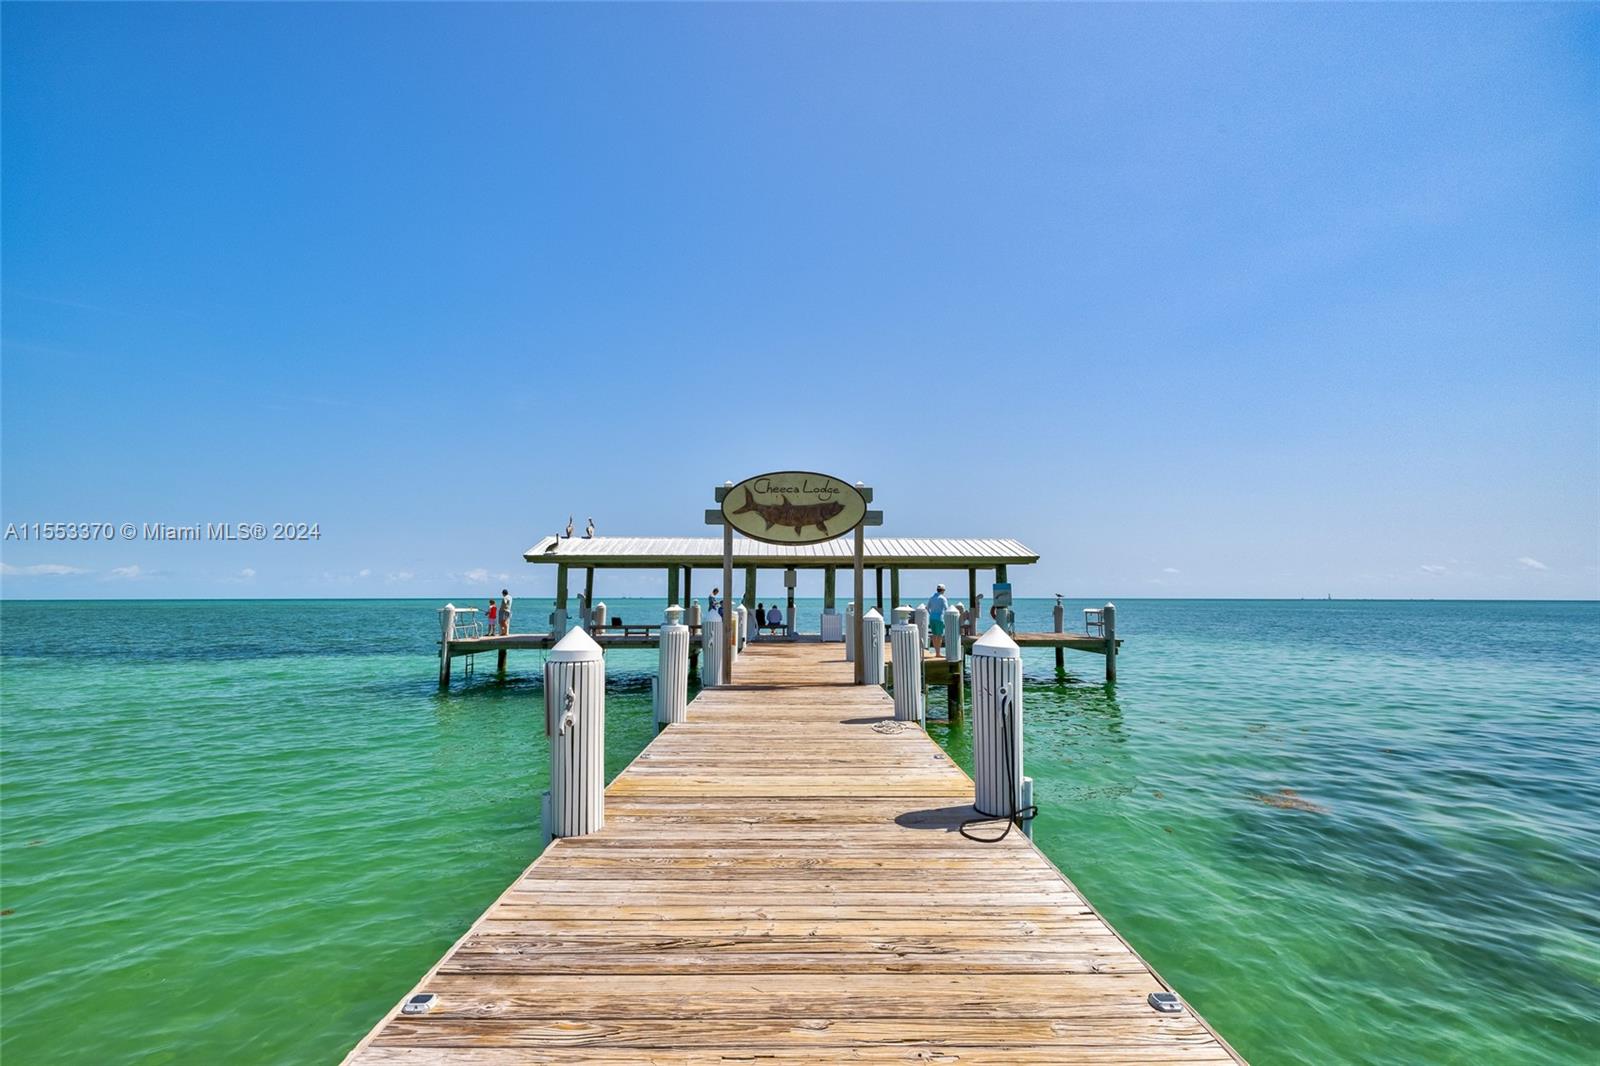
{"x": 680, "y": 557}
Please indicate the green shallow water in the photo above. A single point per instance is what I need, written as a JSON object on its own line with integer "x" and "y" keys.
{"x": 247, "y": 855}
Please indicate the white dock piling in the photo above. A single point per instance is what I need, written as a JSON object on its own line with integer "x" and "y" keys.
{"x": 672, "y": 673}
{"x": 849, "y": 632}
{"x": 997, "y": 724}
{"x": 871, "y": 649}
{"x": 832, "y": 627}
{"x": 1059, "y": 618}
{"x": 920, "y": 617}
{"x": 952, "y": 634}
{"x": 447, "y": 629}
{"x": 575, "y": 723}
{"x": 600, "y": 618}
{"x": 712, "y": 647}
{"x": 583, "y": 613}
{"x": 1108, "y": 615}
{"x": 558, "y": 623}
{"x": 1027, "y": 805}
{"x": 744, "y": 628}
{"x": 907, "y": 651}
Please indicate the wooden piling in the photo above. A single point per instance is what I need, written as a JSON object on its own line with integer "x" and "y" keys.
{"x": 696, "y": 636}
{"x": 447, "y": 629}
{"x": 1109, "y": 615}
{"x": 955, "y": 657}
{"x": 1060, "y": 618}
{"x": 672, "y": 585}
{"x": 894, "y": 588}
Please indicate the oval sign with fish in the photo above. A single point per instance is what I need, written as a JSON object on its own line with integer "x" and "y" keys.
{"x": 793, "y": 507}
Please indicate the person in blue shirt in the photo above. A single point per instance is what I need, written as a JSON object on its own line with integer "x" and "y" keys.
{"x": 714, "y": 604}
{"x": 936, "y": 609}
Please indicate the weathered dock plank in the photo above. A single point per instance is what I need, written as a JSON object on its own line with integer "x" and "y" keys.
{"x": 781, "y": 878}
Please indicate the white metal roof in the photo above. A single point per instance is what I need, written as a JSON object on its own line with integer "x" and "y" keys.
{"x": 908, "y": 553}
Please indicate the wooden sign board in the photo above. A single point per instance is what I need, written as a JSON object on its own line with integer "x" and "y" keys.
{"x": 793, "y": 507}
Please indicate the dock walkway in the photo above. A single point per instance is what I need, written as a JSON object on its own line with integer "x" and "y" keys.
{"x": 781, "y": 879}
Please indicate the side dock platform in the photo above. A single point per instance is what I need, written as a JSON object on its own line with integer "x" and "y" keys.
{"x": 781, "y": 878}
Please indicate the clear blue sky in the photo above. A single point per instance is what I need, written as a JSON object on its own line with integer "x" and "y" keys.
{"x": 1223, "y": 300}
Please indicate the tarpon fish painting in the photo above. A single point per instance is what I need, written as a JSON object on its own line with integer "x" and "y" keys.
{"x": 796, "y": 517}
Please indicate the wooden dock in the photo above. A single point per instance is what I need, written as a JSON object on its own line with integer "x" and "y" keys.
{"x": 1073, "y": 641}
{"x": 781, "y": 878}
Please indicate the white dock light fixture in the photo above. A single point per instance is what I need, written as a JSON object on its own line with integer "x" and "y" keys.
{"x": 672, "y": 672}
{"x": 869, "y": 654}
{"x": 998, "y": 784}
{"x": 575, "y": 723}
{"x": 906, "y": 644}
{"x": 713, "y": 647}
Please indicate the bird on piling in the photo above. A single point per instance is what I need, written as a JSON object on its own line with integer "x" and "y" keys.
{"x": 588, "y": 531}
{"x": 569, "y": 525}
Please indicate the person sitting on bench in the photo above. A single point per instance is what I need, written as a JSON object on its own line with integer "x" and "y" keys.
{"x": 775, "y": 620}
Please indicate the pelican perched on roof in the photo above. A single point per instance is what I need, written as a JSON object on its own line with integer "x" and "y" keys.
{"x": 588, "y": 530}
{"x": 569, "y": 525}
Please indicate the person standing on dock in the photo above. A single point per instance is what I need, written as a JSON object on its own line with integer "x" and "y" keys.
{"x": 714, "y": 604}
{"x": 505, "y": 611}
{"x": 490, "y": 616}
{"x": 760, "y": 618}
{"x": 936, "y": 608}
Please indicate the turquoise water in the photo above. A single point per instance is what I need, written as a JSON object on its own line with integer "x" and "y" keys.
{"x": 247, "y": 854}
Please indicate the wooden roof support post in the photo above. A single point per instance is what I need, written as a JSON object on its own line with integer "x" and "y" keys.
{"x": 858, "y": 561}
{"x": 672, "y": 586}
{"x": 558, "y": 617}
{"x": 730, "y": 627}
{"x": 861, "y": 607}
